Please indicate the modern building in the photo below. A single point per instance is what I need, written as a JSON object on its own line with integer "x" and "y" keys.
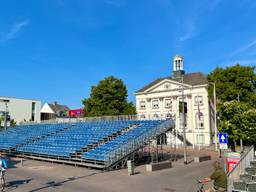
{"x": 20, "y": 110}
{"x": 76, "y": 113}
{"x": 164, "y": 97}
{"x": 53, "y": 111}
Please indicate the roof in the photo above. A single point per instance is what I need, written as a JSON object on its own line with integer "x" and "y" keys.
{"x": 193, "y": 79}
{"x": 47, "y": 109}
{"x": 57, "y": 107}
{"x": 8, "y": 97}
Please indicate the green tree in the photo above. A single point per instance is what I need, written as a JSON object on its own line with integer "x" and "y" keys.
{"x": 109, "y": 97}
{"x": 238, "y": 120}
{"x": 234, "y": 83}
{"x": 13, "y": 123}
{"x": 235, "y": 90}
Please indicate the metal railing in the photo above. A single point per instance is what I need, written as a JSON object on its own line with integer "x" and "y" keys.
{"x": 100, "y": 118}
{"x": 239, "y": 168}
{"x": 134, "y": 144}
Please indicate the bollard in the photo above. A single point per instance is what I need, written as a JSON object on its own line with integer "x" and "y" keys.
{"x": 21, "y": 162}
{"x": 130, "y": 166}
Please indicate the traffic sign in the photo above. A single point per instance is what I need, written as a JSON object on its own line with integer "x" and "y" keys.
{"x": 223, "y": 140}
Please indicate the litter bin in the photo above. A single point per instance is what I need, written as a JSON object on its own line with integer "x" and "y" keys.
{"x": 130, "y": 166}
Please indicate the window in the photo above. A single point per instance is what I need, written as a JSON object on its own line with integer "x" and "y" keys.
{"x": 33, "y": 111}
{"x": 156, "y": 116}
{"x": 198, "y": 100}
{"x": 33, "y": 106}
{"x": 142, "y": 105}
{"x": 200, "y": 139}
{"x": 199, "y": 120}
{"x": 155, "y": 104}
{"x": 168, "y": 116}
{"x": 168, "y": 103}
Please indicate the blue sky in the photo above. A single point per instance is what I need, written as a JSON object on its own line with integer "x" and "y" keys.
{"x": 55, "y": 50}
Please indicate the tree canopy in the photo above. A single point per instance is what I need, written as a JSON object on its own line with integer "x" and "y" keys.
{"x": 235, "y": 90}
{"x": 109, "y": 97}
{"x": 234, "y": 83}
{"x": 238, "y": 119}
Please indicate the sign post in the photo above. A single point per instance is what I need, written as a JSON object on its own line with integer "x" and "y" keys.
{"x": 223, "y": 140}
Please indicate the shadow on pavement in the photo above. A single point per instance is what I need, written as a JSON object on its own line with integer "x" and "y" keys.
{"x": 15, "y": 184}
{"x": 53, "y": 184}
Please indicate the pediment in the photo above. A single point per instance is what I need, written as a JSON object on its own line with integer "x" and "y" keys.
{"x": 165, "y": 85}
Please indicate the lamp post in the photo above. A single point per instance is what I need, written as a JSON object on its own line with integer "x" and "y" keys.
{"x": 183, "y": 122}
{"x": 215, "y": 116}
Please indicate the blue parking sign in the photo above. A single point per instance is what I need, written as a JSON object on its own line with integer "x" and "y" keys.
{"x": 223, "y": 138}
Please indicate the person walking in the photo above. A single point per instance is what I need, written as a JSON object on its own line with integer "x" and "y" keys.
{"x": 3, "y": 164}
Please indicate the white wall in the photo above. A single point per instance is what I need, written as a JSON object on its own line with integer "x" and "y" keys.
{"x": 20, "y": 109}
{"x": 158, "y": 92}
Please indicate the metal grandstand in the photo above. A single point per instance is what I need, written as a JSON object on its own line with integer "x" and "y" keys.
{"x": 102, "y": 144}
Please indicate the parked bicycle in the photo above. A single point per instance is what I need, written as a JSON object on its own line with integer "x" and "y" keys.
{"x": 3, "y": 167}
{"x": 2, "y": 180}
{"x": 200, "y": 186}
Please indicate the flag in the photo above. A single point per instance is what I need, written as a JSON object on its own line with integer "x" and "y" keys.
{"x": 199, "y": 113}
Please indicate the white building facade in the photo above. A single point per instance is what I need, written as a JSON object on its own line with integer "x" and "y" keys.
{"x": 162, "y": 99}
{"x": 20, "y": 110}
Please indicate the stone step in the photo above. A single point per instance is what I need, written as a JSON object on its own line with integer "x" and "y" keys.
{"x": 246, "y": 177}
{"x": 253, "y": 164}
{"x": 251, "y": 170}
{"x": 240, "y": 185}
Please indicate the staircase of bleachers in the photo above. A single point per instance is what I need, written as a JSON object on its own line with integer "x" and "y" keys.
{"x": 247, "y": 181}
{"x": 100, "y": 144}
{"x": 242, "y": 177}
{"x": 124, "y": 128}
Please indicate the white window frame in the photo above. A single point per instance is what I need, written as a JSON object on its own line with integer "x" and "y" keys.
{"x": 200, "y": 139}
{"x": 199, "y": 100}
{"x": 143, "y": 116}
{"x": 142, "y": 107}
{"x": 155, "y": 107}
{"x": 168, "y": 115}
{"x": 155, "y": 116}
{"x": 170, "y": 103}
{"x": 199, "y": 121}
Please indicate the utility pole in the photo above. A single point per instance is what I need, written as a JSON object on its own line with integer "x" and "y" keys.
{"x": 175, "y": 136}
{"x": 215, "y": 117}
{"x": 183, "y": 122}
{"x": 241, "y": 140}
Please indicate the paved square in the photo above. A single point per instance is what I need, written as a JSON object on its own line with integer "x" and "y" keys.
{"x": 42, "y": 176}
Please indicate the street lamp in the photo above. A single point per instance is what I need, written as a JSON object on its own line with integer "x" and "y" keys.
{"x": 5, "y": 119}
{"x": 215, "y": 115}
{"x": 183, "y": 121}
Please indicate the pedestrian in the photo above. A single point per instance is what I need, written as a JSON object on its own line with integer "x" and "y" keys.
{"x": 218, "y": 177}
